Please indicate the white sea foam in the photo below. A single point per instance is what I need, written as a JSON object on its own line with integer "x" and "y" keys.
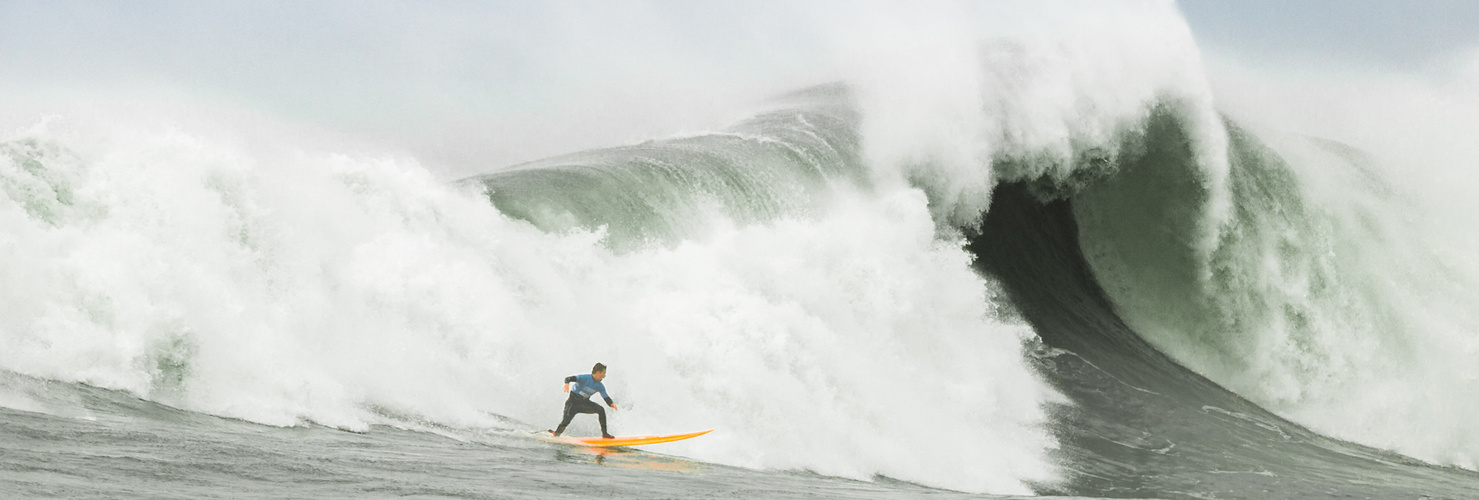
{"x": 284, "y": 285}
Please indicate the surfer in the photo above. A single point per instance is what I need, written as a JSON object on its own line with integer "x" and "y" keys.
{"x": 580, "y": 398}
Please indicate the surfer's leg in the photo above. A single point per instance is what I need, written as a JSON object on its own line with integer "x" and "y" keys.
{"x": 601, "y": 415}
{"x": 570, "y": 411}
{"x": 587, "y": 406}
{"x": 564, "y": 423}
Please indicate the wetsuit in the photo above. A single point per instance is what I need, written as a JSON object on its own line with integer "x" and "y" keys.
{"x": 580, "y": 401}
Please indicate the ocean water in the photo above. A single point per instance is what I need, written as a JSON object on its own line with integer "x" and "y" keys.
{"x": 968, "y": 260}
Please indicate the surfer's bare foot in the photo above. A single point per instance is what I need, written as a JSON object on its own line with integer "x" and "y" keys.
{"x": 552, "y": 432}
{"x": 607, "y": 436}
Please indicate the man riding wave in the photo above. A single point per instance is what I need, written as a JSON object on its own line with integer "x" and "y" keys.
{"x": 580, "y": 398}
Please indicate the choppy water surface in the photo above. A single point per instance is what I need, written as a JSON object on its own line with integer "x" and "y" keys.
{"x": 111, "y": 446}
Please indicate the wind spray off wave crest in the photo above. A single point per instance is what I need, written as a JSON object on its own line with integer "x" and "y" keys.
{"x": 1049, "y": 96}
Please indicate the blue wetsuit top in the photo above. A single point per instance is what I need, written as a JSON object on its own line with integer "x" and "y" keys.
{"x": 586, "y": 385}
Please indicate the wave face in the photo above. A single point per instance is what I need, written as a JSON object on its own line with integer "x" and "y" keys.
{"x": 783, "y": 163}
{"x": 1326, "y": 298}
{"x": 1142, "y": 423}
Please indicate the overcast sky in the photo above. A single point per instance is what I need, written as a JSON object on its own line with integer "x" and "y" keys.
{"x": 1377, "y": 35}
{"x": 428, "y": 76}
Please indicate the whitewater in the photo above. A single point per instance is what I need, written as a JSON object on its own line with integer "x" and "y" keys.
{"x": 960, "y": 251}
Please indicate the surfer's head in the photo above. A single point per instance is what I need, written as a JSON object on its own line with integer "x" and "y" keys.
{"x": 598, "y": 372}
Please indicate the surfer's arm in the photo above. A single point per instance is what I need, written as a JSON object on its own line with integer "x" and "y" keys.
{"x": 568, "y": 381}
{"x": 607, "y": 397}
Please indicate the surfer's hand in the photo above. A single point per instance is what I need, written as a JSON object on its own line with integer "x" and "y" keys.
{"x": 613, "y": 406}
{"x": 567, "y": 387}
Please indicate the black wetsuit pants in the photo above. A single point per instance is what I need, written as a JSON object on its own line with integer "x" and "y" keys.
{"x": 577, "y": 404}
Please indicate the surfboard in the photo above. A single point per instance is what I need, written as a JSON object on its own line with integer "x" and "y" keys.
{"x": 622, "y": 440}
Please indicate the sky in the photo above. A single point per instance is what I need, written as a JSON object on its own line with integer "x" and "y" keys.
{"x": 397, "y": 73}
{"x": 1374, "y": 35}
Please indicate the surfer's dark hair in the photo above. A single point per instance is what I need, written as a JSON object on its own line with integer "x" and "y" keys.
{"x": 598, "y": 368}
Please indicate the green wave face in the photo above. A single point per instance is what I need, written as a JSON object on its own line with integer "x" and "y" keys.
{"x": 781, "y": 163}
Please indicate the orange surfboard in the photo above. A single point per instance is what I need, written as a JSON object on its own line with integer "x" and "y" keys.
{"x": 623, "y": 440}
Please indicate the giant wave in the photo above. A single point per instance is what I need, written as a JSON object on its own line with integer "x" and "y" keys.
{"x": 1057, "y": 252}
